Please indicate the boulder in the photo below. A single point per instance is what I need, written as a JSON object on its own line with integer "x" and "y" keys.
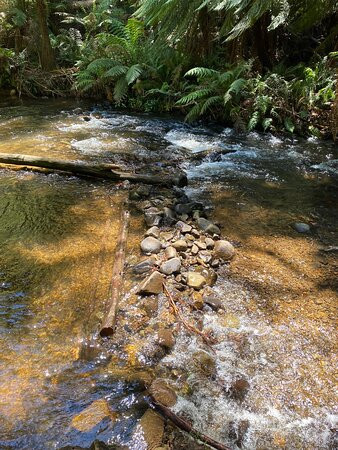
{"x": 152, "y": 285}
{"x": 171, "y": 266}
{"x": 210, "y": 243}
{"x": 224, "y": 250}
{"x": 195, "y": 280}
{"x": 151, "y": 245}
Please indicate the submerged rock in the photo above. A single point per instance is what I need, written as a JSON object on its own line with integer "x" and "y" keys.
{"x": 166, "y": 338}
{"x": 195, "y": 280}
{"x": 151, "y": 245}
{"x": 151, "y": 429}
{"x": 239, "y": 389}
{"x": 237, "y": 431}
{"x": 301, "y": 227}
{"x": 93, "y": 415}
{"x": 224, "y": 250}
{"x": 162, "y": 393}
{"x": 204, "y": 362}
{"x": 152, "y": 285}
{"x": 171, "y": 266}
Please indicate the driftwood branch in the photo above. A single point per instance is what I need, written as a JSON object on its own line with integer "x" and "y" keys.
{"x": 108, "y": 325}
{"x": 105, "y": 171}
{"x": 186, "y": 426}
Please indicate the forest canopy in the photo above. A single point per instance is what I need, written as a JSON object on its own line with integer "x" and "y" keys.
{"x": 255, "y": 64}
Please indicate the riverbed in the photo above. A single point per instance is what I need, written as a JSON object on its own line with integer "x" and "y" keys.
{"x": 57, "y": 242}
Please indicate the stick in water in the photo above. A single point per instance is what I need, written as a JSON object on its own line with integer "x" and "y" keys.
{"x": 108, "y": 325}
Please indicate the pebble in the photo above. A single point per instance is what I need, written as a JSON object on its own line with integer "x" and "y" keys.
{"x": 196, "y": 280}
{"x": 214, "y": 302}
{"x": 184, "y": 227}
{"x": 151, "y": 245}
{"x": 171, "y": 266}
{"x": 302, "y": 227}
{"x": 152, "y": 285}
{"x": 170, "y": 252}
{"x": 169, "y": 216}
{"x": 154, "y": 232}
{"x": 201, "y": 245}
{"x": 152, "y": 216}
{"x": 224, "y": 250}
{"x": 180, "y": 245}
{"x": 210, "y": 243}
{"x": 239, "y": 389}
{"x": 167, "y": 235}
{"x": 197, "y": 299}
{"x": 194, "y": 250}
{"x": 195, "y": 233}
{"x": 204, "y": 362}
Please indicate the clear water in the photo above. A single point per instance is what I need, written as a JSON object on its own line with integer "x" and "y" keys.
{"x": 57, "y": 240}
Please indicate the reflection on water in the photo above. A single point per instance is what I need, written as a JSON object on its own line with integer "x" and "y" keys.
{"x": 57, "y": 238}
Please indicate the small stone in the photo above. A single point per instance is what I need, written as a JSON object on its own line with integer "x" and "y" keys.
{"x": 169, "y": 216}
{"x": 144, "y": 266}
{"x": 214, "y": 302}
{"x": 167, "y": 235}
{"x": 195, "y": 233}
{"x": 152, "y": 285}
{"x": 210, "y": 243}
{"x": 133, "y": 196}
{"x": 190, "y": 237}
{"x": 154, "y": 232}
{"x": 170, "y": 252}
{"x": 204, "y": 362}
{"x": 184, "y": 227}
{"x": 195, "y": 280}
{"x": 197, "y": 300}
{"x": 215, "y": 263}
{"x": 210, "y": 275}
{"x": 151, "y": 245}
{"x": 302, "y": 227}
{"x": 239, "y": 389}
{"x": 166, "y": 338}
{"x": 180, "y": 245}
{"x": 151, "y": 428}
{"x": 194, "y": 250}
{"x": 162, "y": 393}
{"x": 224, "y": 250}
{"x": 151, "y": 306}
{"x": 171, "y": 266}
{"x": 146, "y": 204}
{"x": 184, "y": 217}
{"x": 201, "y": 245}
{"x": 143, "y": 191}
{"x": 152, "y": 216}
{"x": 213, "y": 229}
{"x": 183, "y": 208}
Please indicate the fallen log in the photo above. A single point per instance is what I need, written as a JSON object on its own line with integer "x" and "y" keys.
{"x": 105, "y": 171}
{"x": 108, "y": 324}
{"x": 186, "y": 426}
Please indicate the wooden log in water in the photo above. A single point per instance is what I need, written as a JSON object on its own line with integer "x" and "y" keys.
{"x": 105, "y": 171}
{"x": 109, "y": 322}
{"x": 184, "y": 425}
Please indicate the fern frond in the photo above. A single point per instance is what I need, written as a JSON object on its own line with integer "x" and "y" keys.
{"x": 120, "y": 89}
{"x": 201, "y": 72}
{"x": 133, "y": 73}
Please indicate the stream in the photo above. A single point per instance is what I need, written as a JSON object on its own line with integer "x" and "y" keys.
{"x": 57, "y": 242}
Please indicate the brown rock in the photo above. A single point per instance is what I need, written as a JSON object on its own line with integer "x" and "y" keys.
{"x": 180, "y": 245}
{"x": 151, "y": 245}
{"x": 162, "y": 393}
{"x": 195, "y": 280}
{"x": 204, "y": 362}
{"x": 152, "y": 429}
{"x": 239, "y": 389}
{"x": 170, "y": 252}
{"x": 154, "y": 232}
{"x": 166, "y": 338}
{"x": 224, "y": 250}
{"x": 152, "y": 285}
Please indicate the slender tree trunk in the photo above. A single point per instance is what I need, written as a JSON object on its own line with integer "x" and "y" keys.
{"x": 46, "y": 52}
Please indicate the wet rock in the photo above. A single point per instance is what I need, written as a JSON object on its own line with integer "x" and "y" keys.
{"x": 144, "y": 266}
{"x": 152, "y": 285}
{"x": 214, "y": 302}
{"x": 151, "y": 245}
{"x": 195, "y": 280}
{"x": 171, "y": 266}
{"x": 184, "y": 227}
{"x": 93, "y": 415}
{"x": 239, "y": 389}
{"x": 224, "y": 250}
{"x": 210, "y": 276}
{"x": 162, "y": 393}
{"x": 197, "y": 299}
{"x": 237, "y": 431}
{"x": 143, "y": 190}
{"x": 154, "y": 232}
{"x": 301, "y": 227}
{"x": 184, "y": 217}
{"x": 87, "y": 118}
{"x": 169, "y": 216}
{"x": 151, "y": 428}
{"x": 152, "y": 216}
{"x": 210, "y": 243}
{"x": 170, "y": 252}
{"x": 204, "y": 362}
{"x": 205, "y": 256}
{"x": 180, "y": 245}
{"x": 151, "y": 306}
{"x": 166, "y": 338}
{"x": 77, "y": 111}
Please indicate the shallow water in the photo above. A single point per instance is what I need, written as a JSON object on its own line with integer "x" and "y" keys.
{"x": 57, "y": 239}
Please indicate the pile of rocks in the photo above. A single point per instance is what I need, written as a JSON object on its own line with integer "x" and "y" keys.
{"x": 182, "y": 246}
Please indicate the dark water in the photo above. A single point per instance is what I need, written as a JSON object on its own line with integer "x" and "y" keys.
{"x": 57, "y": 238}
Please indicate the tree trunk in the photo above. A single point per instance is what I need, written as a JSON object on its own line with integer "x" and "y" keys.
{"x": 105, "y": 171}
{"x": 47, "y": 58}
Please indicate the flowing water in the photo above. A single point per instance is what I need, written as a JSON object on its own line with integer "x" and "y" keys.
{"x": 57, "y": 240}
